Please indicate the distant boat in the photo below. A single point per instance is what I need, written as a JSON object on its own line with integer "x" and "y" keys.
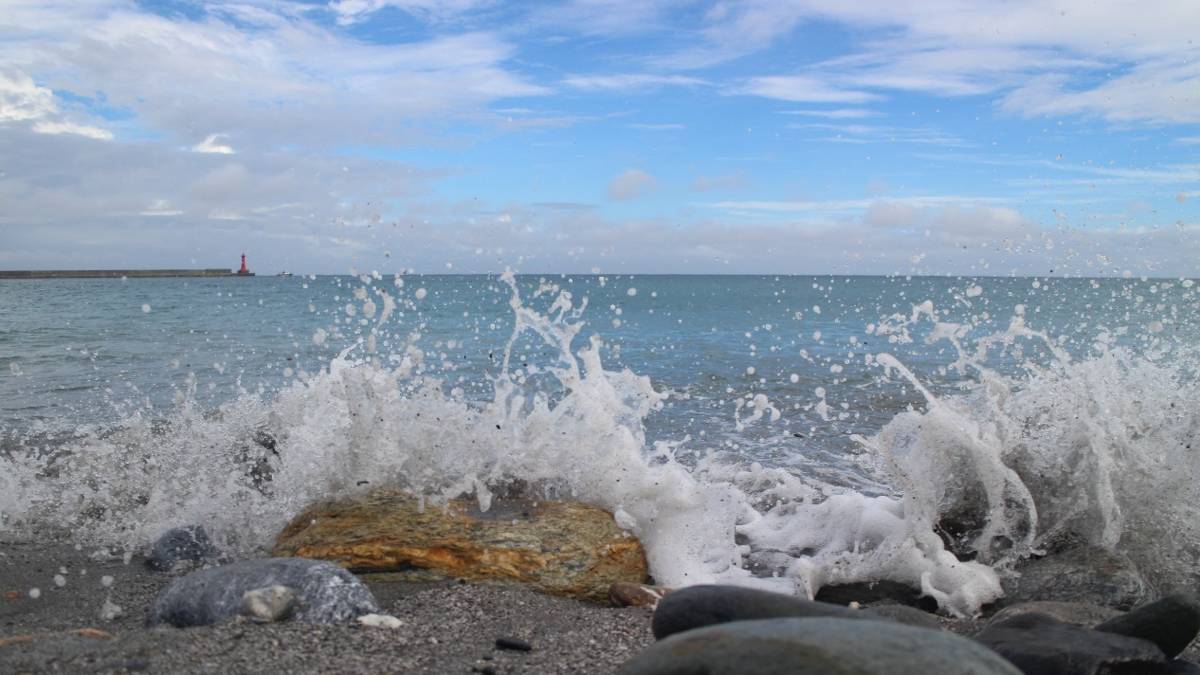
{"x": 284, "y": 274}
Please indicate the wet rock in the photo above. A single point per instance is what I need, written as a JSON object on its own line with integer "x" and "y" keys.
{"x": 325, "y": 593}
{"x": 513, "y": 644}
{"x": 558, "y": 547}
{"x": 909, "y": 616}
{"x": 629, "y": 594}
{"x": 698, "y": 606}
{"x": 1040, "y": 645}
{"x": 1171, "y": 623}
{"x": 181, "y": 546}
{"x": 1074, "y": 613}
{"x": 871, "y": 593}
{"x": 268, "y": 605}
{"x": 1081, "y": 574}
{"x": 1180, "y": 667}
{"x": 811, "y": 646}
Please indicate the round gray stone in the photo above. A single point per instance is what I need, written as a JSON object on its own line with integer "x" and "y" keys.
{"x": 1171, "y": 623}
{"x": 1040, "y": 645}
{"x": 1075, "y": 613}
{"x": 811, "y": 646}
{"x": 706, "y": 605}
{"x": 181, "y": 545}
{"x": 1080, "y": 574}
{"x": 324, "y": 592}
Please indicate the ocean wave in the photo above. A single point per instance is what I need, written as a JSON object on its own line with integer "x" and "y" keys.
{"x": 1096, "y": 449}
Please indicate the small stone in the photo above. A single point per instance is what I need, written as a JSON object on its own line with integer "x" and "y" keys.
{"x": 629, "y": 594}
{"x": 111, "y": 611}
{"x": 268, "y": 605}
{"x": 180, "y": 546}
{"x": 815, "y": 646}
{"x": 513, "y": 644}
{"x": 380, "y": 621}
{"x": 1171, "y": 623}
{"x": 1039, "y": 645}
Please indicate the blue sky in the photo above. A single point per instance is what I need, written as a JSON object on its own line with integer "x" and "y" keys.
{"x": 956, "y": 136}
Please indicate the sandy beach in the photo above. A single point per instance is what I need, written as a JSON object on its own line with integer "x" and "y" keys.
{"x": 448, "y": 627}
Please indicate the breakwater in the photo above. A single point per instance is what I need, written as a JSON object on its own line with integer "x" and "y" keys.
{"x": 116, "y": 274}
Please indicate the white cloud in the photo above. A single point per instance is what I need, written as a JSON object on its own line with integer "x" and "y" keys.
{"x": 22, "y": 100}
{"x": 867, "y": 133}
{"x": 283, "y": 80}
{"x": 630, "y": 184}
{"x": 96, "y": 133}
{"x": 1069, "y": 49}
{"x": 1164, "y": 92}
{"x": 834, "y": 114}
{"x": 609, "y": 17}
{"x": 160, "y": 207}
{"x": 625, "y": 81}
{"x": 845, "y": 205}
{"x": 803, "y": 89}
{"x": 211, "y": 145}
{"x": 353, "y": 11}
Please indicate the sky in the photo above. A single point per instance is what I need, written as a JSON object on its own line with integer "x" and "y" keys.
{"x": 1035, "y": 137}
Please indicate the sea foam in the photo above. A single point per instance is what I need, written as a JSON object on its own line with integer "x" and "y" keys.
{"x": 1095, "y": 450}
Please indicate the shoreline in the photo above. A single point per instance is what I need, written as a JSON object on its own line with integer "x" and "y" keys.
{"x": 119, "y": 274}
{"x": 448, "y": 626}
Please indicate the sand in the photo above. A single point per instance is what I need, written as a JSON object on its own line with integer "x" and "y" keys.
{"x": 449, "y": 627}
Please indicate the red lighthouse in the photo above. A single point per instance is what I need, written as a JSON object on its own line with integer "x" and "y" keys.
{"x": 244, "y": 271}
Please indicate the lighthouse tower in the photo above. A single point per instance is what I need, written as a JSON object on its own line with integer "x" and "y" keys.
{"x": 244, "y": 271}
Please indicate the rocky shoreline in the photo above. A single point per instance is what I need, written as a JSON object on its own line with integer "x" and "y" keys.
{"x": 447, "y": 627}
{"x": 378, "y": 583}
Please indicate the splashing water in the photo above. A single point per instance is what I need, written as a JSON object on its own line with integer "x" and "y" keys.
{"x": 1094, "y": 450}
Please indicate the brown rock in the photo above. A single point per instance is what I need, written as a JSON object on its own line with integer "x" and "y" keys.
{"x": 562, "y": 548}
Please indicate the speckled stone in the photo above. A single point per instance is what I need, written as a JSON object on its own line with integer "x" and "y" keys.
{"x": 324, "y": 592}
{"x": 558, "y": 547}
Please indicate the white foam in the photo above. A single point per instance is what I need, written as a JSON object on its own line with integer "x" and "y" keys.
{"x": 1089, "y": 447}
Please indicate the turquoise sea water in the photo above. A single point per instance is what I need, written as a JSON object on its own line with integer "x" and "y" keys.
{"x": 86, "y": 352}
{"x": 785, "y": 432}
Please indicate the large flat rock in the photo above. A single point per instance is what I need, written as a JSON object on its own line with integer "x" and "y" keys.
{"x": 559, "y": 547}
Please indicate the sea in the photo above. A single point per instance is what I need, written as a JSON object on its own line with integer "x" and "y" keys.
{"x": 786, "y": 432}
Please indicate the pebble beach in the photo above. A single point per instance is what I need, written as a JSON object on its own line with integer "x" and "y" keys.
{"x": 448, "y": 627}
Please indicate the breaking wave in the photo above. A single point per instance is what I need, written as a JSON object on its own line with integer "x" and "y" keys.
{"x": 1097, "y": 450}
